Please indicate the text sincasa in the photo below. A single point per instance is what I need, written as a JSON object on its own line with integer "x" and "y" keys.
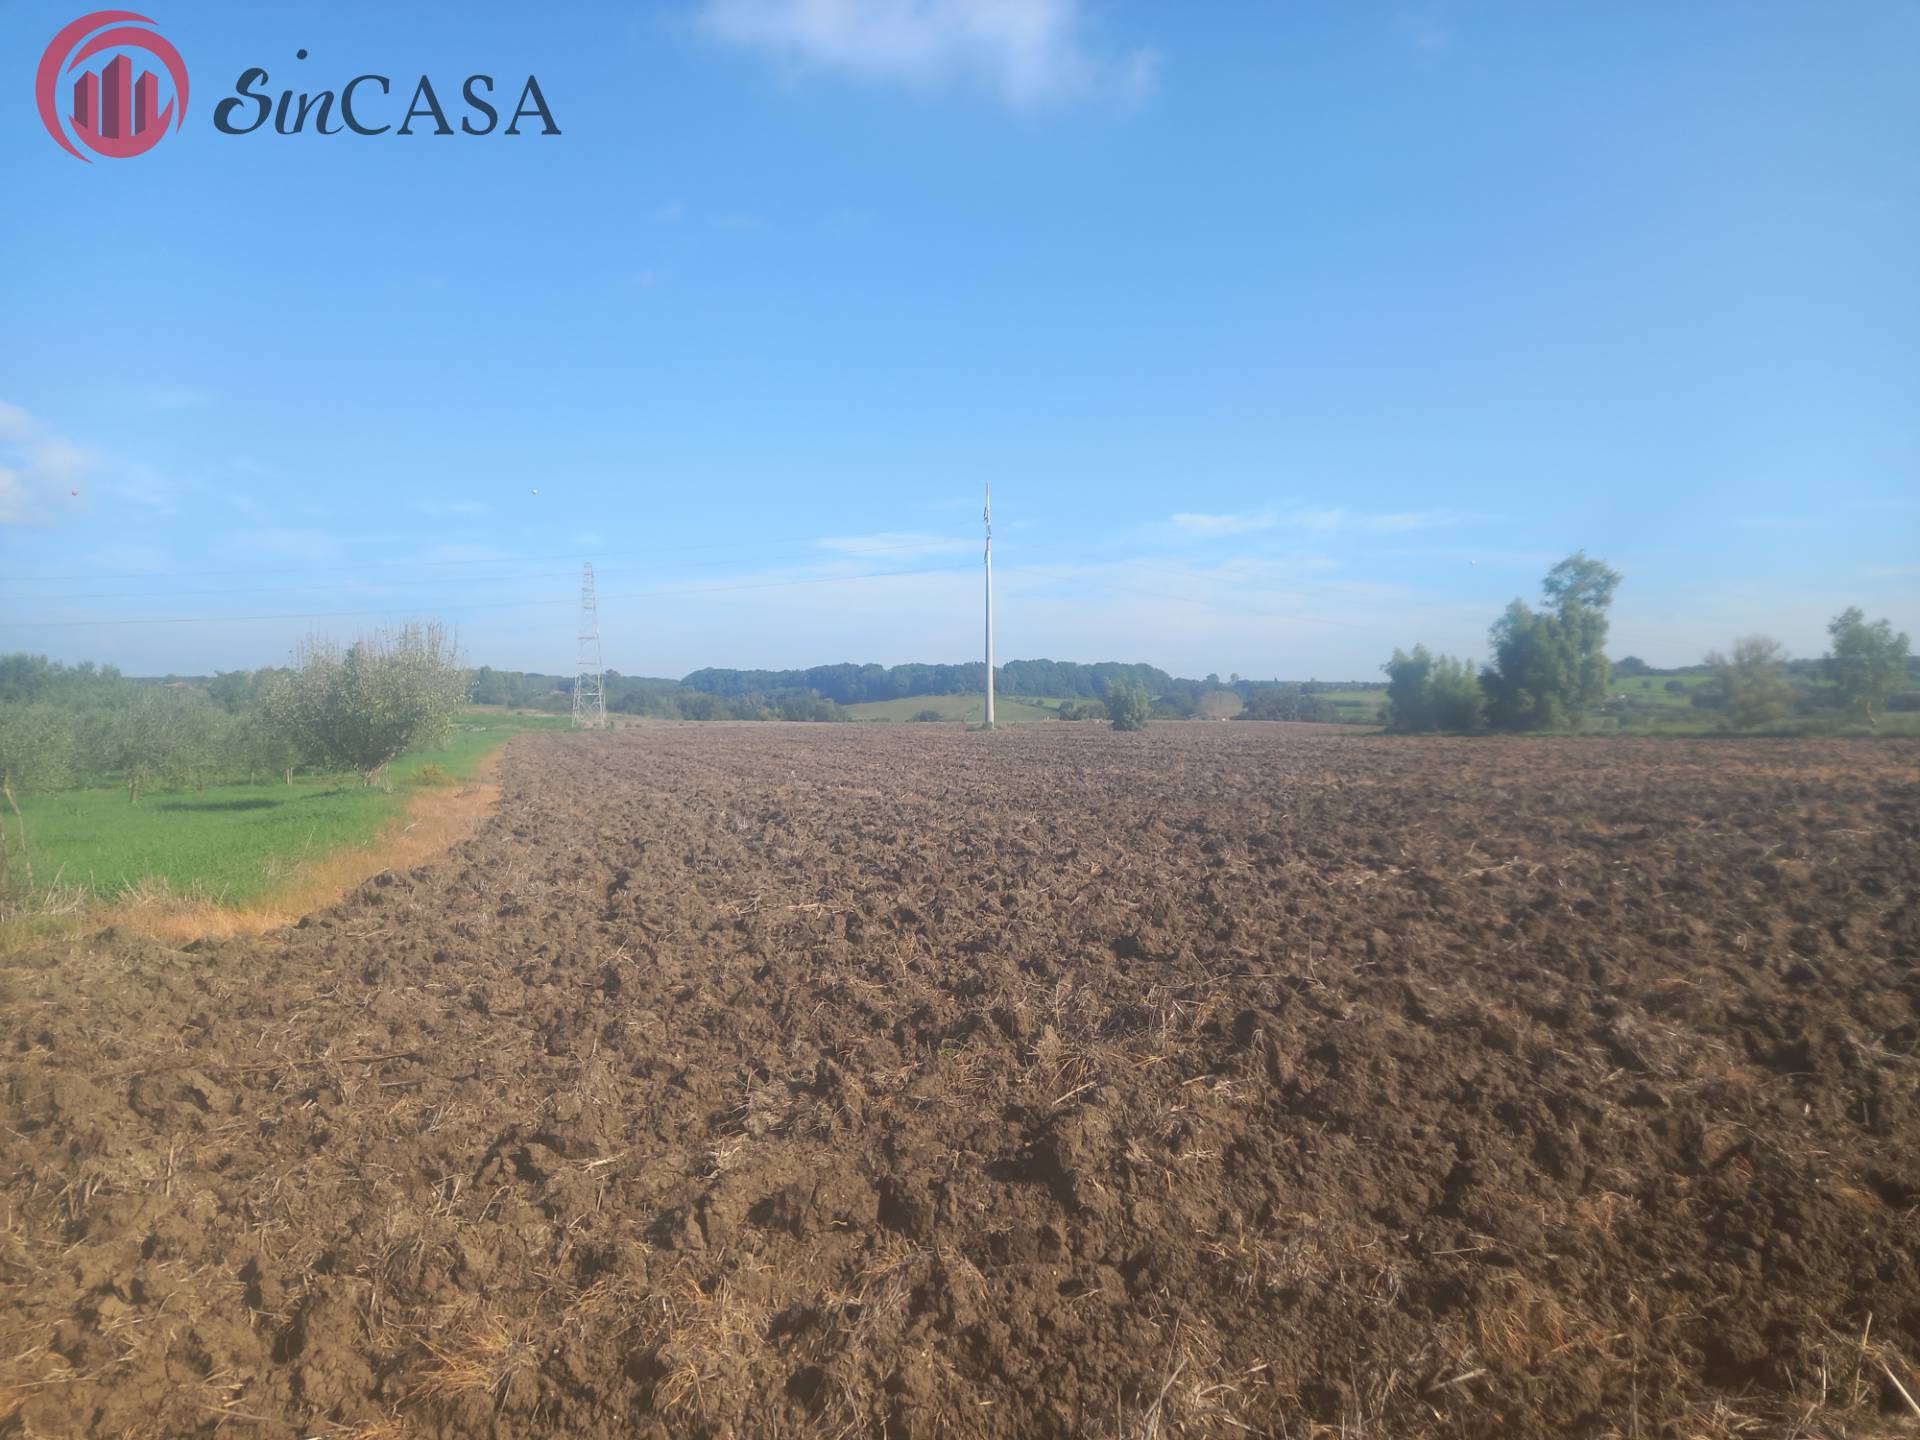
{"x": 358, "y": 107}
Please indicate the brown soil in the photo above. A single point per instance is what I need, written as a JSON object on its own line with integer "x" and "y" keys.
{"x": 813, "y": 1080}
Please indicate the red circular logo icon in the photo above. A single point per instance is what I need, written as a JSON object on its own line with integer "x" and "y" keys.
{"x": 110, "y": 110}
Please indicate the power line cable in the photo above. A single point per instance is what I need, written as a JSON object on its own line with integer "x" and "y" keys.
{"x": 495, "y": 605}
{"x": 505, "y": 576}
{"x": 811, "y": 541}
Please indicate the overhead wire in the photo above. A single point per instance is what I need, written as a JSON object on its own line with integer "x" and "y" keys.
{"x": 485, "y": 605}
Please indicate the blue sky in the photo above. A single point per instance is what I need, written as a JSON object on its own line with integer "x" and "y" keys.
{"x": 1285, "y": 332}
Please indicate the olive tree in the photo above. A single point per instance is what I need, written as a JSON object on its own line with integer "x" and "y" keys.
{"x": 158, "y": 737}
{"x": 265, "y": 744}
{"x": 1865, "y": 661}
{"x": 36, "y": 752}
{"x": 358, "y": 707}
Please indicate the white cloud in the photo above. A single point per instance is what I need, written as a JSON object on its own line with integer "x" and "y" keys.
{"x": 38, "y": 468}
{"x": 1031, "y": 52}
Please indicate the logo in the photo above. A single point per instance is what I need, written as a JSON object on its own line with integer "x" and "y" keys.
{"x": 109, "y": 111}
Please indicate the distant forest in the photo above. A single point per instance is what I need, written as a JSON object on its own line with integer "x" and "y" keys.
{"x": 819, "y": 692}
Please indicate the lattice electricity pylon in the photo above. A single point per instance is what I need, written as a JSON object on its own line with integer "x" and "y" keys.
{"x": 589, "y": 696}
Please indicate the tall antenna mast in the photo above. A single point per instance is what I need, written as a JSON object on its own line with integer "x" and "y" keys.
{"x": 589, "y": 696}
{"x": 988, "y": 517}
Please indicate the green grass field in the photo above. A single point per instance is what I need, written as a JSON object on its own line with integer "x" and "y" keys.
{"x": 971, "y": 708}
{"x": 234, "y": 843}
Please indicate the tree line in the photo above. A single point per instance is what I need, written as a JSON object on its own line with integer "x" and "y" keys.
{"x": 821, "y": 692}
{"x": 1549, "y": 669}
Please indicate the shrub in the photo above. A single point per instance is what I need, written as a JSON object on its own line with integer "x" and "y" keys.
{"x": 1409, "y": 690}
{"x": 1128, "y": 706}
{"x": 1427, "y": 692}
{"x": 1751, "y": 684}
{"x": 1457, "y": 700}
{"x": 1219, "y": 705}
{"x": 1275, "y": 702}
{"x": 927, "y": 715}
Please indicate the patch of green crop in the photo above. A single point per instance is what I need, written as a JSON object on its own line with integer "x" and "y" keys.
{"x": 234, "y": 843}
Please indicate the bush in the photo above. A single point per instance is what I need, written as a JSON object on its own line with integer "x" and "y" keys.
{"x": 1675, "y": 687}
{"x": 927, "y": 715}
{"x": 804, "y": 705}
{"x": 1427, "y": 693}
{"x": 1455, "y": 695}
{"x": 1274, "y": 702}
{"x": 1128, "y": 706}
{"x": 1750, "y": 685}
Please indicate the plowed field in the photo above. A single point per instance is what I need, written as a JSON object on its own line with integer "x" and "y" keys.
{"x": 812, "y": 1080}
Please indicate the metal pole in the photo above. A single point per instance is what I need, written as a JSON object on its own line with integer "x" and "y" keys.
{"x": 989, "y": 519}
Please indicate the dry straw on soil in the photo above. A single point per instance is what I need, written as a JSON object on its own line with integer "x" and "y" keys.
{"x": 820, "y": 1081}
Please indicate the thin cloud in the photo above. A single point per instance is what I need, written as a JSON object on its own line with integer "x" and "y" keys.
{"x": 897, "y": 545}
{"x": 141, "y": 485}
{"x": 1203, "y": 524}
{"x": 1422, "y": 32}
{"x": 316, "y": 545}
{"x": 166, "y": 399}
{"x": 445, "y": 509}
{"x": 38, "y": 468}
{"x": 1315, "y": 519}
{"x": 1030, "y": 52}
